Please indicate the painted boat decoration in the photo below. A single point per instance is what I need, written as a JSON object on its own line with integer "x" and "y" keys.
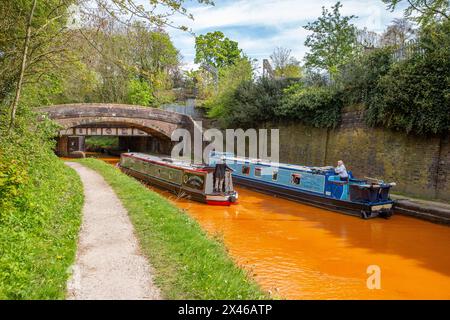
{"x": 317, "y": 186}
{"x": 212, "y": 185}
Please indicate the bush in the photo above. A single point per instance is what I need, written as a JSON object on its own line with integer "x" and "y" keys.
{"x": 358, "y": 79}
{"x": 315, "y": 106}
{"x": 414, "y": 95}
{"x": 40, "y": 212}
{"x": 253, "y": 102}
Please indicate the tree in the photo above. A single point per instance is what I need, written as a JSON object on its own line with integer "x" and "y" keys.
{"x": 32, "y": 38}
{"x": 229, "y": 79}
{"x": 36, "y": 36}
{"x": 122, "y": 52}
{"x": 152, "y": 52}
{"x": 22, "y": 67}
{"x": 216, "y": 50}
{"x": 367, "y": 39}
{"x": 333, "y": 40}
{"x": 398, "y": 33}
{"x": 156, "y": 12}
{"x": 285, "y": 65}
{"x": 424, "y": 12}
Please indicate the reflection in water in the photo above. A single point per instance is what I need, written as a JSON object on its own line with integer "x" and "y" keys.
{"x": 301, "y": 252}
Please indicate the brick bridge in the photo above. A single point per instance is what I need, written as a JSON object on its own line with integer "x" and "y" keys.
{"x": 138, "y": 128}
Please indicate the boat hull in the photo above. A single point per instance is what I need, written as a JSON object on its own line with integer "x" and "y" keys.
{"x": 176, "y": 189}
{"x": 363, "y": 210}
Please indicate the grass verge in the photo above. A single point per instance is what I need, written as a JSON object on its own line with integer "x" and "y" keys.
{"x": 188, "y": 263}
{"x": 38, "y": 235}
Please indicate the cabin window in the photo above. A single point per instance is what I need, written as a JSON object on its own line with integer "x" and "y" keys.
{"x": 246, "y": 170}
{"x": 275, "y": 175}
{"x": 257, "y": 172}
{"x": 295, "y": 179}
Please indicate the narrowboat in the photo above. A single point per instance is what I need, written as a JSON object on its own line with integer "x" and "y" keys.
{"x": 212, "y": 185}
{"x": 316, "y": 186}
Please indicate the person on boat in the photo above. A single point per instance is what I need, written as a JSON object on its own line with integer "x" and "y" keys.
{"x": 341, "y": 171}
{"x": 219, "y": 177}
{"x": 222, "y": 178}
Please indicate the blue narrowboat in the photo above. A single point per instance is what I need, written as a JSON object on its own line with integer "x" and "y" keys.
{"x": 317, "y": 186}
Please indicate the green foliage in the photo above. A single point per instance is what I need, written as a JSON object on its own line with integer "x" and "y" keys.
{"x": 315, "y": 106}
{"x": 415, "y": 94}
{"x": 411, "y": 94}
{"x": 200, "y": 83}
{"x": 12, "y": 177}
{"x": 229, "y": 79}
{"x": 45, "y": 43}
{"x": 333, "y": 41}
{"x": 40, "y": 212}
{"x": 188, "y": 263}
{"x": 137, "y": 52}
{"x": 139, "y": 93}
{"x": 252, "y": 102}
{"x": 216, "y": 50}
{"x": 424, "y": 12}
{"x": 152, "y": 54}
{"x": 358, "y": 79}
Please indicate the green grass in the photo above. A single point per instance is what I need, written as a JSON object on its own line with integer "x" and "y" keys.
{"x": 38, "y": 234}
{"x": 188, "y": 263}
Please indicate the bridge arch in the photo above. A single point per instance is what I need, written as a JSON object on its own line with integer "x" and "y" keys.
{"x": 142, "y": 125}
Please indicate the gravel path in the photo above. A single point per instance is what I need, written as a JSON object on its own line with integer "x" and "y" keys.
{"x": 108, "y": 263}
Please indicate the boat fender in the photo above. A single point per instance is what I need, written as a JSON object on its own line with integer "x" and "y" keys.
{"x": 364, "y": 215}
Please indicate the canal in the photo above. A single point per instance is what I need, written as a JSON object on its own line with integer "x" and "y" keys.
{"x": 301, "y": 252}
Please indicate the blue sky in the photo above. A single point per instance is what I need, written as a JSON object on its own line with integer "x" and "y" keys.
{"x": 261, "y": 25}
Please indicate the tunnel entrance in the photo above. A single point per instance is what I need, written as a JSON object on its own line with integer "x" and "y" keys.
{"x": 128, "y": 139}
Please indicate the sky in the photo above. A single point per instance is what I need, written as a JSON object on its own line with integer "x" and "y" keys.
{"x": 259, "y": 26}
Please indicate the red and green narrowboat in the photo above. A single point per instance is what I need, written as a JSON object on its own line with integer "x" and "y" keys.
{"x": 212, "y": 185}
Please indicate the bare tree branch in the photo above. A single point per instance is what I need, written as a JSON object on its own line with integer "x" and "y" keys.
{"x": 22, "y": 69}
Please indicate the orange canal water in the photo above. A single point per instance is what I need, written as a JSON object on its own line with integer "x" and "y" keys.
{"x": 301, "y": 252}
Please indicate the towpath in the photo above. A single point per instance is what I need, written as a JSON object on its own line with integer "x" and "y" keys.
{"x": 108, "y": 264}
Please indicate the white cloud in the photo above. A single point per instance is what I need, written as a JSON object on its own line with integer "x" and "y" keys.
{"x": 279, "y": 12}
{"x": 281, "y": 22}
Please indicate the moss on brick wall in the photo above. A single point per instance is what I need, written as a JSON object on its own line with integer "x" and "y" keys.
{"x": 443, "y": 177}
{"x": 419, "y": 164}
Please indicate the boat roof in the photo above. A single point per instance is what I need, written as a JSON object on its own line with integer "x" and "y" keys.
{"x": 170, "y": 162}
{"x": 230, "y": 157}
{"x": 167, "y": 161}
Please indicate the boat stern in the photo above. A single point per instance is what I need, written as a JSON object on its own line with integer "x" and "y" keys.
{"x": 222, "y": 199}
{"x": 383, "y": 210}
